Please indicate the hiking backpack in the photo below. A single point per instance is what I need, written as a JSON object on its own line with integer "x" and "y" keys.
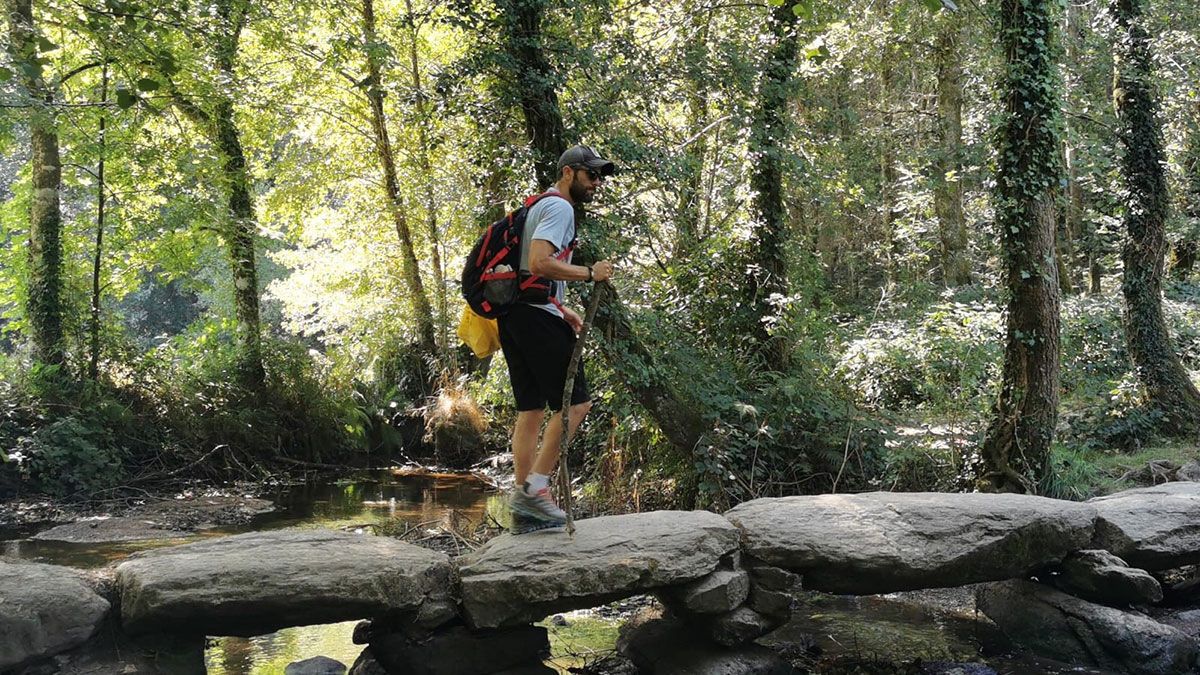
{"x": 492, "y": 280}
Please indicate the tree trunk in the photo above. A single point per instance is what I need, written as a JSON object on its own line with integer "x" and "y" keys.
{"x": 691, "y": 185}
{"x": 1168, "y": 387}
{"x": 769, "y": 134}
{"x": 947, "y": 185}
{"x": 383, "y": 148}
{"x": 44, "y": 305}
{"x": 425, "y": 163}
{"x": 534, "y": 84}
{"x": 243, "y": 224}
{"x": 98, "y": 256}
{"x": 1017, "y": 443}
{"x": 888, "y": 173}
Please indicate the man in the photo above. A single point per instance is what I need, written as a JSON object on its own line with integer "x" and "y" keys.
{"x": 538, "y": 338}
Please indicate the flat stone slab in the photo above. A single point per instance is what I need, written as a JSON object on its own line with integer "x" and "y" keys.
{"x": 99, "y": 530}
{"x": 260, "y": 582}
{"x": 44, "y": 610}
{"x": 1153, "y": 528}
{"x": 881, "y": 542}
{"x": 518, "y": 579}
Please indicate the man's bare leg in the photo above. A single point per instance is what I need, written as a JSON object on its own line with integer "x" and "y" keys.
{"x": 547, "y": 458}
{"x": 525, "y": 442}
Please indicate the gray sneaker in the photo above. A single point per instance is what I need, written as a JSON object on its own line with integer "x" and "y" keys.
{"x": 539, "y": 505}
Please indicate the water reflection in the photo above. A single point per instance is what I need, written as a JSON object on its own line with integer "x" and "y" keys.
{"x": 272, "y": 653}
{"x": 374, "y": 500}
{"x": 365, "y": 500}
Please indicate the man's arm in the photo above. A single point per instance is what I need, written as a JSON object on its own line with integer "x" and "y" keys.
{"x": 543, "y": 263}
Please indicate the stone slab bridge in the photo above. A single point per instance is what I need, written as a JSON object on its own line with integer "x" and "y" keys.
{"x": 730, "y": 577}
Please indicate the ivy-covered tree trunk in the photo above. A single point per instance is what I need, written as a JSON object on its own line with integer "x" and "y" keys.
{"x": 1017, "y": 443}
{"x": 681, "y": 423}
{"x": 947, "y": 185}
{"x": 243, "y": 223}
{"x": 44, "y": 304}
{"x": 769, "y": 133}
{"x": 383, "y": 149}
{"x": 1168, "y": 387}
{"x": 534, "y": 84}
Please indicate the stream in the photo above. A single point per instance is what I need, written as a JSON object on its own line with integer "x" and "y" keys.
{"x": 828, "y": 634}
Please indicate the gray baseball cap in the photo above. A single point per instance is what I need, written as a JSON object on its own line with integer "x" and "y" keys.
{"x": 585, "y": 156}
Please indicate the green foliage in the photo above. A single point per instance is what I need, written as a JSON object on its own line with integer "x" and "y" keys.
{"x": 298, "y": 412}
{"x": 71, "y": 457}
{"x": 67, "y": 440}
{"x": 782, "y": 436}
{"x": 669, "y": 90}
{"x": 941, "y": 359}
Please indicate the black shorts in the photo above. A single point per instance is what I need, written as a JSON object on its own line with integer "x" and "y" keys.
{"x": 537, "y": 346}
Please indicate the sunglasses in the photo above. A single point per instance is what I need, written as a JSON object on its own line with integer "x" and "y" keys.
{"x": 592, "y": 175}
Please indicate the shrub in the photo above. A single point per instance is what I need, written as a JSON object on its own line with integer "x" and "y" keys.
{"x": 454, "y": 425}
{"x": 71, "y": 457}
{"x": 949, "y": 358}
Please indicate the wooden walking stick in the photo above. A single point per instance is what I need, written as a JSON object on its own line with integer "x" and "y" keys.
{"x": 564, "y": 473}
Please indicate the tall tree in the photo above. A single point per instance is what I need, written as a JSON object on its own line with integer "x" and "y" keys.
{"x": 695, "y": 55}
{"x": 215, "y": 119}
{"x": 375, "y": 51}
{"x": 769, "y": 134}
{"x": 98, "y": 253}
{"x": 1147, "y": 203}
{"x": 44, "y": 304}
{"x": 947, "y": 185}
{"x": 1018, "y": 437}
{"x": 424, "y": 122}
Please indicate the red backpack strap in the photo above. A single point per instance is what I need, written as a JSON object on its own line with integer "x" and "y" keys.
{"x": 533, "y": 199}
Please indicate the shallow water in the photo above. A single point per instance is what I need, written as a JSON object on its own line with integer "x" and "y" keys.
{"x": 365, "y": 500}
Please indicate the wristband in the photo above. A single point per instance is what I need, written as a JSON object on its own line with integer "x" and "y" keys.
{"x": 591, "y": 275}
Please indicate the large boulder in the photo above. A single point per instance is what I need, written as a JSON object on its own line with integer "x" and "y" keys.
{"x": 44, "y": 610}
{"x": 880, "y": 542}
{"x": 260, "y": 582}
{"x": 668, "y": 646}
{"x": 1153, "y": 528}
{"x": 1102, "y": 577}
{"x": 1061, "y": 626}
{"x": 519, "y": 579}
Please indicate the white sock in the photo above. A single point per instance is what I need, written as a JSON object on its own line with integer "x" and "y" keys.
{"x": 535, "y": 482}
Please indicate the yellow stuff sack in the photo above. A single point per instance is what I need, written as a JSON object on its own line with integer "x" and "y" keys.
{"x": 480, "y": 334}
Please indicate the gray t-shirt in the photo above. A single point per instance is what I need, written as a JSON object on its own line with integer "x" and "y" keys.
{"x": 553, "y": 220}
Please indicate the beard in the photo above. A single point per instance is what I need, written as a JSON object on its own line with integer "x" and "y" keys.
{"x": 579, "y": 193}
